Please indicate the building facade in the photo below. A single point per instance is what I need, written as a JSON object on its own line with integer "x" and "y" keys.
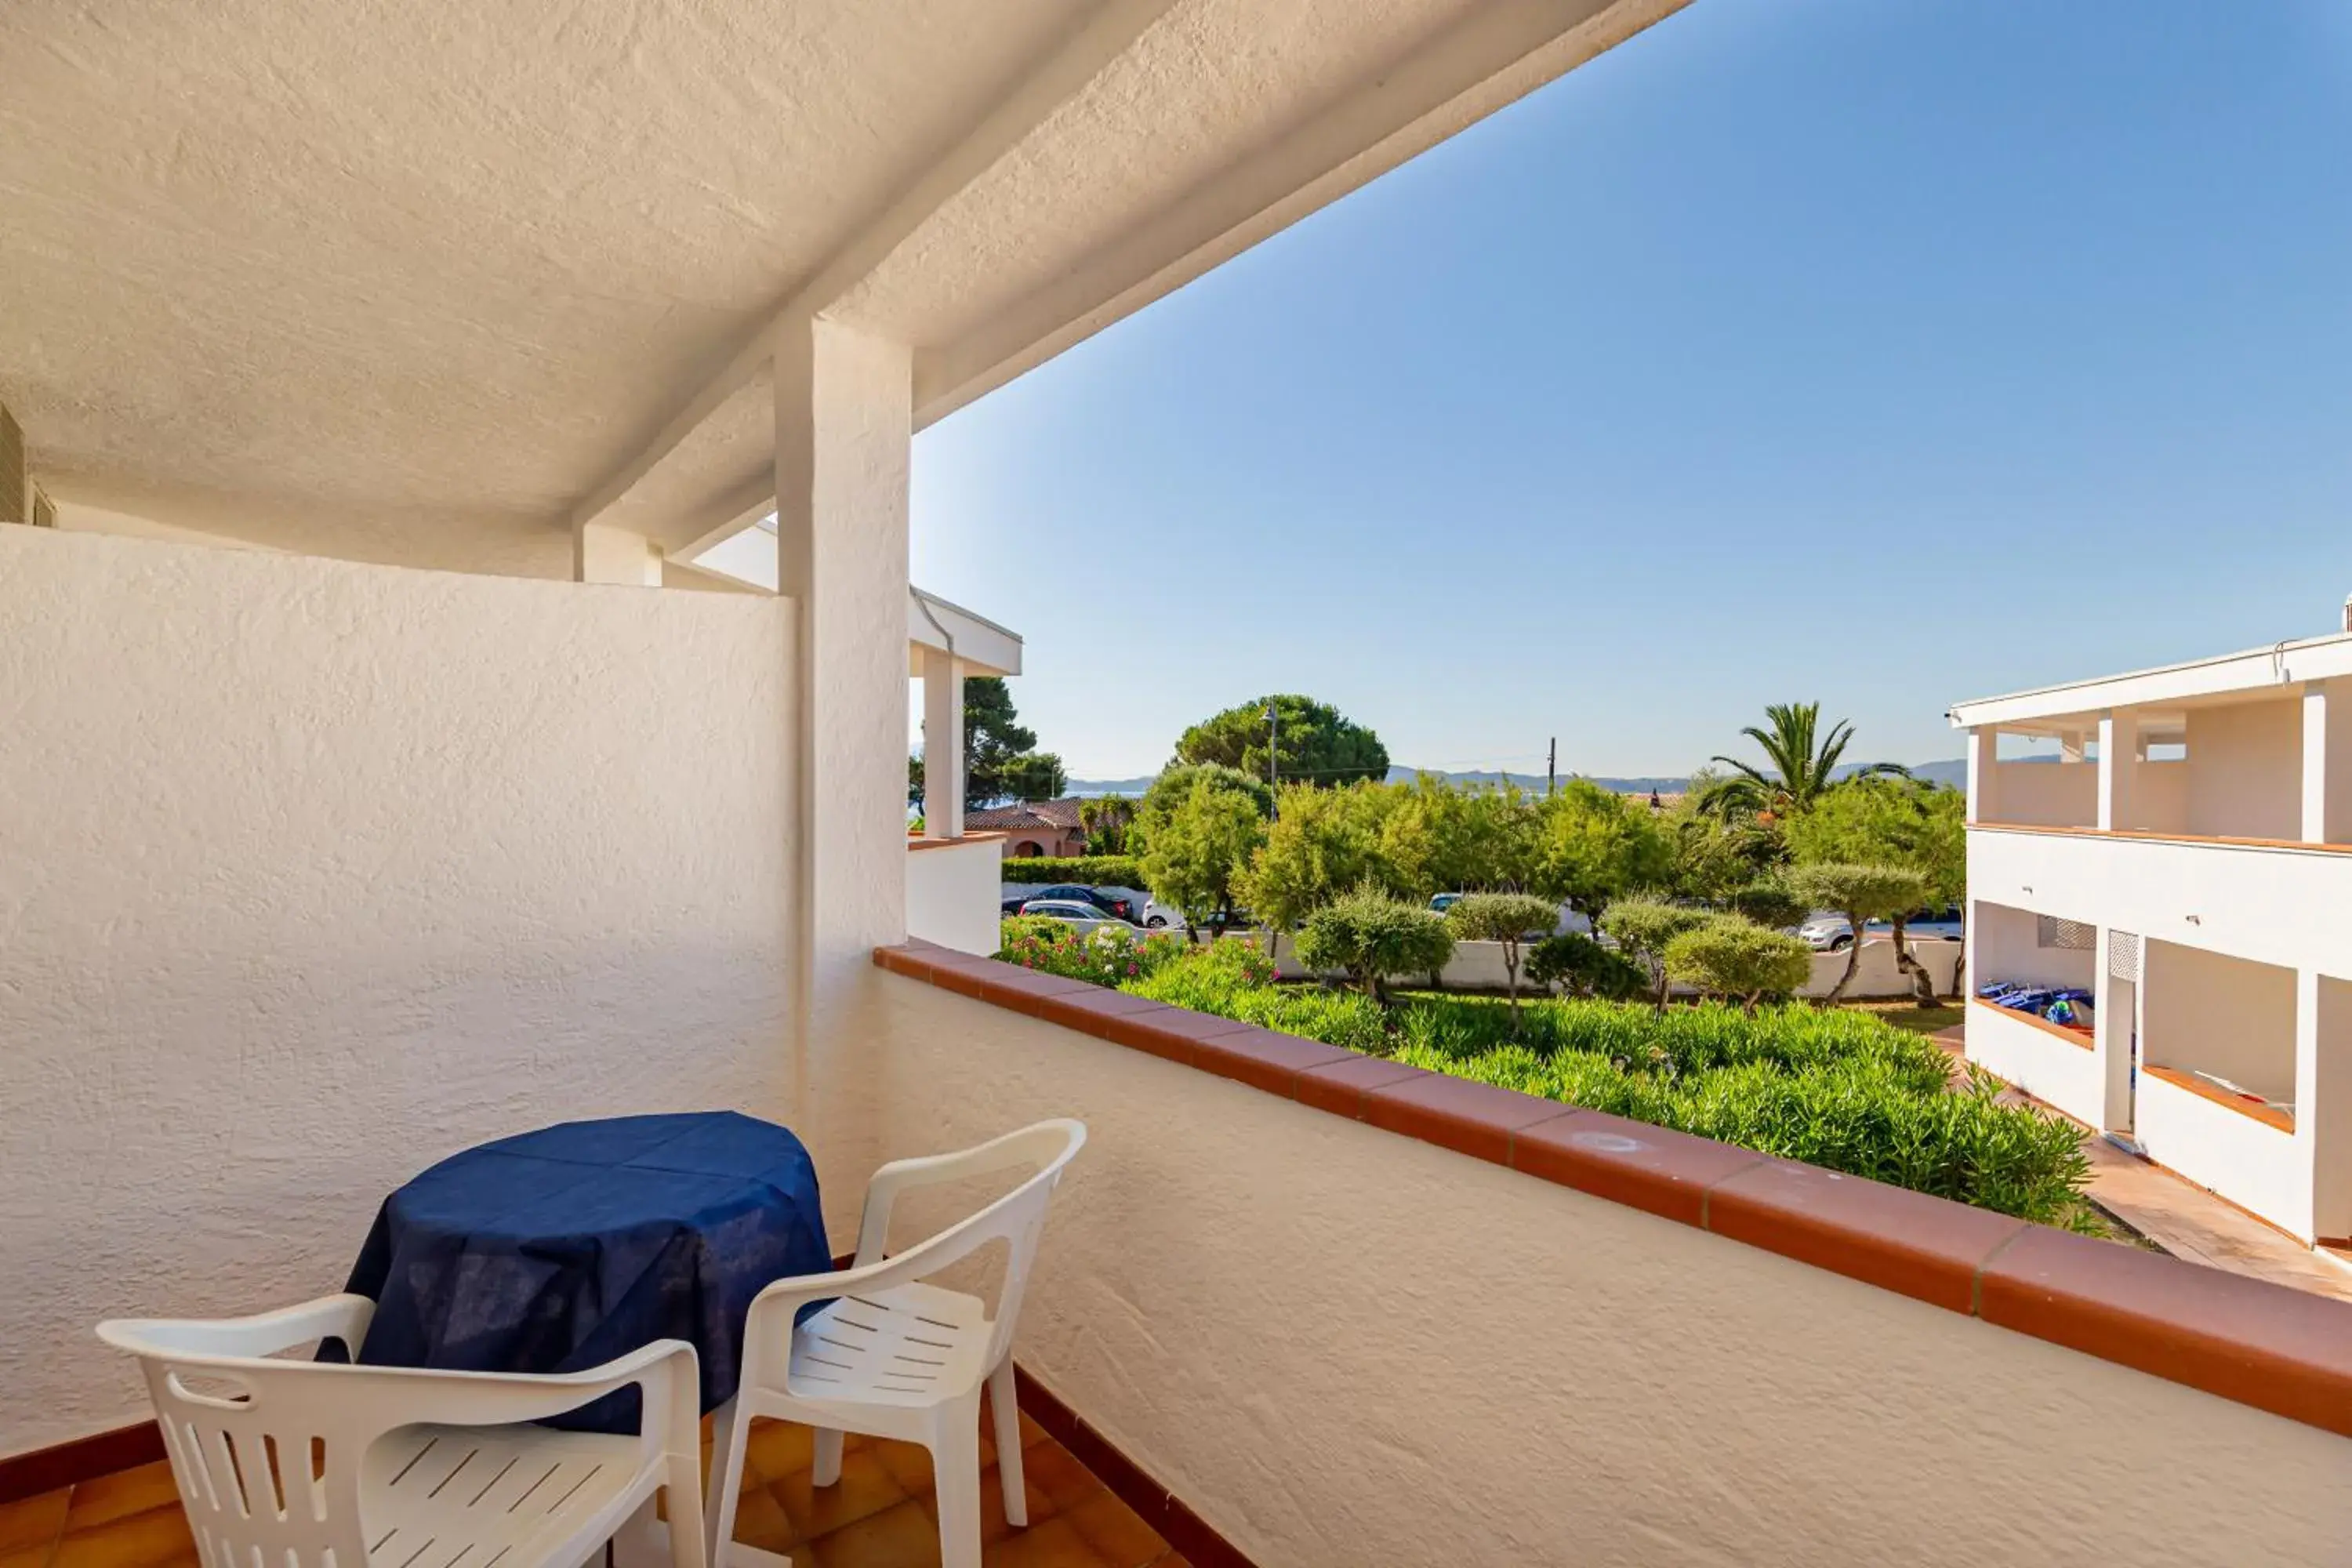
{"x": 2168, "y": 897}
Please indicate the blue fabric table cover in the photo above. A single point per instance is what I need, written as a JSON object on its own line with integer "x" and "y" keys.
{"x": 561, "y": 1249}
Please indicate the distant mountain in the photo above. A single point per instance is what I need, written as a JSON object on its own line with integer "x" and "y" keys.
{"x": 1954, "y": 772}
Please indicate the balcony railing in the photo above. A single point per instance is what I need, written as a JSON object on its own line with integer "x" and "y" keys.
{"x": 1357, "y": 1312}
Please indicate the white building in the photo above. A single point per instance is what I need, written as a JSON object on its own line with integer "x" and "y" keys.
{"x": 2187, "y": 858}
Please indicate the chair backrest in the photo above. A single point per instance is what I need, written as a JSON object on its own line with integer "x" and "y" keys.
{"x": 266, "y": 1456}
{"x": 1017, "y": 1218}
{"x": 269, "y": 1454}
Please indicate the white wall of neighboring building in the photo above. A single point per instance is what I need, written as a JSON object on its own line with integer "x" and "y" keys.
{"x": 2245, "y": 770}
{"x": 313, "y": 873}
{"x": 2229, "y": 1016}
{"x": 2047, "y": 795}
{"x": 954, "y": 891}
{"x": 2060, "y": 1072}
{"x": 2250, "y": 1163}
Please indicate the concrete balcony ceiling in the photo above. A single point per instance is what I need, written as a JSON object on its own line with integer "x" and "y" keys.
{"x": 429, "y": 284}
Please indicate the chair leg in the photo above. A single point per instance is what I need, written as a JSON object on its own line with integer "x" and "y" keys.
{"x": 825, "y": 1468}
{"x": 955, "y": 1472}
{"x": 731, "y": 1426}
{"x": 688, "y": 1547}
{"x": 1004, "y": 1400}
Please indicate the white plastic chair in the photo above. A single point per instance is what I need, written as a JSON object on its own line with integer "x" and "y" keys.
{"x": 299, "y": 1464}
{"x": 892, "y": 1357}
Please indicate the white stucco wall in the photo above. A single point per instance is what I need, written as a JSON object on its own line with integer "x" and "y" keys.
{"x": 312, "y": 873}
{"x": 1346, "y": 1347}
{"x": 953, "y": 894}
{"x": 2053, "y": 1070}
{"x": 2159, "y": 797}
{"x": 2245, "y": 770}
{"x": 2226, "y": 1015}
{"x": 2250, "y": 1163}
{"x": 2046, "y": 795}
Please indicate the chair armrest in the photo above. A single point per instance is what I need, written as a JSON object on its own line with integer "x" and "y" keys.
{"x": 668, "y": 1370}
{"x": 342, "y": 1317}
{"x": 1012, "y": 1149}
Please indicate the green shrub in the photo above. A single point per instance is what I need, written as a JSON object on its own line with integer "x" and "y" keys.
{"x": 1370, "y": 936}
{"x": 1505, "y": 917}
{"x": 1770, "y": 903}
{"x": 1582, "y": 967}
{"x": 1732, "y": 957}
{"x": 1091, "y": 870}
{"x": 1642, "y": 927}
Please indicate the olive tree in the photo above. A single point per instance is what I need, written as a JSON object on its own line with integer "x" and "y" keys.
{"x": 1642, "y": 928}
{"x": 1864, "y": 893}
{"x": 1197, "y": 848}
{"x": 1505, "y": 917}
{"x": 1369, "y": 936}
{"x": 1737, "y": 959}
{"x": 1580, "y": 966}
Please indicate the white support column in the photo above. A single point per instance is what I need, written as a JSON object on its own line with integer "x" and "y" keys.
{"x": 942, "y": 740}
{"x": 2328, "y": 762}
{"x": 2317, "y": 1138}
{"x": 603, "y": 554}
{"x": 2119, "y": 769}
{"x": 844, "y": 412}
{"x": 1984, "y": 805}
{"x": 2114, "y": 1021}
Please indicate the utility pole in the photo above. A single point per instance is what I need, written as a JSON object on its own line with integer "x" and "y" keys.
{"x": 1272, "y": 750}
{"x": 1551, "y": 769}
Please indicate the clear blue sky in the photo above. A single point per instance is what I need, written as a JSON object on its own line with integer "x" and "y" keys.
{"x": 1879, "y": 354}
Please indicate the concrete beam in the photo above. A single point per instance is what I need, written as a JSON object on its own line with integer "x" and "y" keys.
{"x": 1505, "y": 52}
{"x": 1111, "y": 31}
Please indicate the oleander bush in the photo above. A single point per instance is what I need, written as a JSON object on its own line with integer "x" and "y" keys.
{"x": 1107, "y": 956}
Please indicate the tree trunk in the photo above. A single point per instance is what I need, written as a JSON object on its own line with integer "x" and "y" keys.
{"x": 1665, "y": 984}
{"x": 1922, "y": 984}
{"x": 1511, "y": 980}
{"x": 1960, "y": 963}
{"x": 1852, "y": 962}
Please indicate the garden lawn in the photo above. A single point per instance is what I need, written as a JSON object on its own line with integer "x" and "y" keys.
{"x": 1840, "y": 1089}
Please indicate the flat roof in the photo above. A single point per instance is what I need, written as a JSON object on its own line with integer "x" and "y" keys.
{"x": 2283, "y": 664}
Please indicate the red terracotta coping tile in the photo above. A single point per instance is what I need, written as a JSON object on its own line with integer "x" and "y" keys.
{"x": 2264, "y": 1345}
{"x": 1265, "y": 1059}
{"x": 1457, "y": 1114}
{"x": 1339, "y": 1086}
{"x": 1654, "y": 1169}
{"x": 1923, "y": 1247}
{"x": 2270, "y": 1346}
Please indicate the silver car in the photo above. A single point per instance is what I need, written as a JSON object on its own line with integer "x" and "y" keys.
{"x": 1828, "y": 933}
{"x": 1086, "y": 918}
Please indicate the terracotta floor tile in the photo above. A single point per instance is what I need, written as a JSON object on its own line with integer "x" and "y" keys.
{"x": 147, "y": 1540}
{"x": 1055, "y": 1544}
{"x": 1173, "y": 1560}
{"x": 1050, "y": 1468}
{"x": 1115, "y": 1531}
{"x": 909, "y": 1464}
{"x": 760, "y": 1521}
{"x": 1031, "y": 1433}
{"x": 26, "y": 1557}
{"x": 777, "y": 1450}
{"x": 902, "y": 1536}
{"x": 865, "y": 1488}
{"x": 105, "y": 1498}
{"x": 31, "y": 1522}
{"x": 993, "y": 1526}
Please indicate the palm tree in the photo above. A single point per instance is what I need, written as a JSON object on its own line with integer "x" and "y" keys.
{"x": 1799, "y": 763}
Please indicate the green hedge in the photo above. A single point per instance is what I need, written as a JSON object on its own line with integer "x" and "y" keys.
{"x": 1092, "y": 870}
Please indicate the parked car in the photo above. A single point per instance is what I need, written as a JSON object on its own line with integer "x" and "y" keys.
{"x": 1086, "y": 916}
{"x": 1826, "y": 932}
{"x": 1157, "y": 916}
{"x": 1570, "y": 922}
{"x": 1118, "y": 906}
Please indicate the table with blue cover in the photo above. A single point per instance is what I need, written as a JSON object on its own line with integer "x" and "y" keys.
{"x": 561, "y": 1249}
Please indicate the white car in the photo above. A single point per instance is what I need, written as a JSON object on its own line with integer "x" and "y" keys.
{"x": 1827, "y": 932}
{"x": 1087, "y": 919}
{"x": 1160, "y": 917}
